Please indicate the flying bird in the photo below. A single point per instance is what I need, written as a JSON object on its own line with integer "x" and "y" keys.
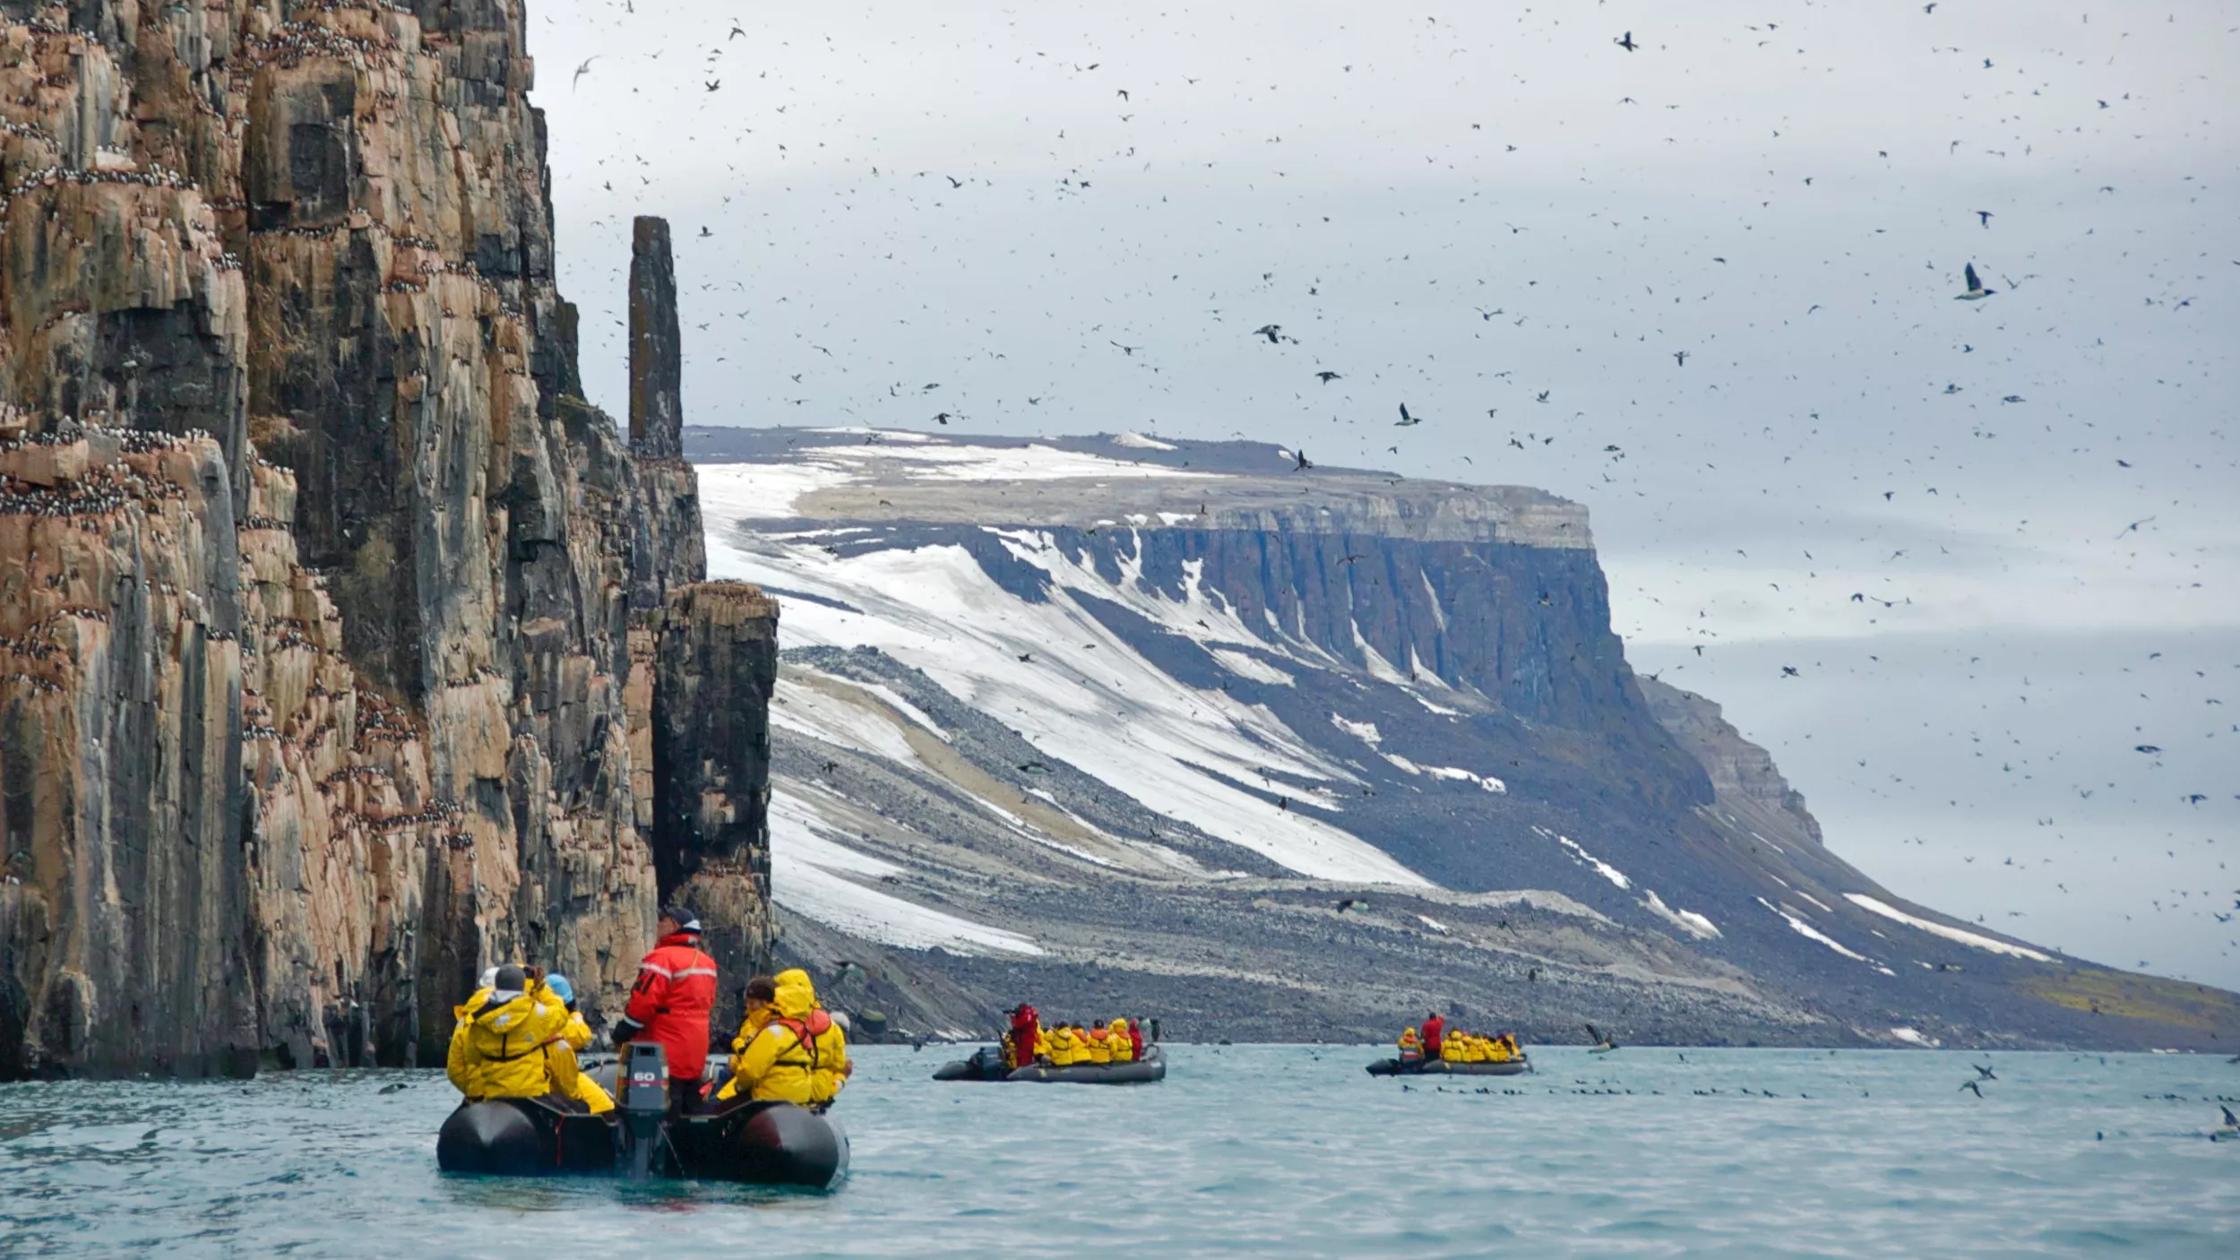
{"x": 1984, "y": 215}
{"x": 1976, "y": 292}
{"x": 1303, "y": 464}
{"x": 581, "y": 71}
{"x": 1273, "y": 332}
{"x": 1626, "y": 42}
{"x": 1327, "y": 377}
{"x": 1405, "y": 419}
{"x": 1680, "y": 357}
{"x": 1975, "y": 1088}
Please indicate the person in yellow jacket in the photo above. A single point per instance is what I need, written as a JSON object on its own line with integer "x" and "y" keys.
{"x": 1411, "y": 1045}
{"x": 577, "y": 1034}
{"x": 1450, "y": 1046}
{"x": 1060, "y": 1042}
{"x": 1116, "y": 1036}
{"x": 510, "y": 1042}
{"x": 789, "y": 1049}
{"x": 1497, "y": 1050}
{"x": 1100, "y": 1046}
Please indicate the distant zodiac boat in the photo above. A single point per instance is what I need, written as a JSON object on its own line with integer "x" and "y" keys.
{"x": 1445, "y": 1067}
{"x": 986, "y": 1064}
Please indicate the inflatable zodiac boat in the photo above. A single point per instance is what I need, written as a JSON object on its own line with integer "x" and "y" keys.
{"x": 1443, "y": 1067}
{"x": 986, "y": 1064}
{"x": 760, "y": 1143}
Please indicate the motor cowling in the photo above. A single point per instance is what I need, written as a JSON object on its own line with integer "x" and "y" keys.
{"x": 642, "y": 1104}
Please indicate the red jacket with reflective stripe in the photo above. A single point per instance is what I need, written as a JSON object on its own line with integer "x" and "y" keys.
{"x": 675, "y": 993}
{"x": 1434, "y": 1036}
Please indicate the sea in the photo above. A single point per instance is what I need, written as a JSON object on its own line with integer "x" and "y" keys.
{"x": 1241, "y": 1151}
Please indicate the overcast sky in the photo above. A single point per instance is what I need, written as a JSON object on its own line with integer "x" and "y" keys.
{"x": 1461, "y": 206}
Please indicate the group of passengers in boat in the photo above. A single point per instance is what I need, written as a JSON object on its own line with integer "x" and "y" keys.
{"x": 1064, "y": 1044}
{"x": 1439, "y": 1043}
{"x": 518, "y": 1035}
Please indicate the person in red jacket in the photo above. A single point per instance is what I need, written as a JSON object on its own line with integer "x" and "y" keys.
{"x": 1024, "y": 1026}
{"x": 1434, "y": 1036}
{"x": 670, "y": 1004}
{"x": 1135, "y": 1039}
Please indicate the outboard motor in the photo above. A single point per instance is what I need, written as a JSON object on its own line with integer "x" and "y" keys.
{"x": 642, "y": 1104}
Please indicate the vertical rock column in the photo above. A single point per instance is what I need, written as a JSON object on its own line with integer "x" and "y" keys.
{"x": 716, "y": 660}
{"x": 670, "y": 550}
{"x": 656, "y": 351}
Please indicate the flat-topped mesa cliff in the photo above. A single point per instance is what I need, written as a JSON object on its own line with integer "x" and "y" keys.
{"x": 1279, "y": 750}
{"x": 332, "y": 621}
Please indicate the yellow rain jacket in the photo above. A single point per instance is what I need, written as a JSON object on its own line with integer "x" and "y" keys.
{"x": 1450, "y": 1047}
{"x": 1411, "y": 1046}
{"x": 1100, "y": 1046}
{"x": 1061, "y": 1047}
{"x": 588, "y": 1092}
{"x": 792, "y": 1052}
{"x": 1498, "y": 1052}
{"x": 1116, "y": 1036}
{"x": 516, "y": 1048}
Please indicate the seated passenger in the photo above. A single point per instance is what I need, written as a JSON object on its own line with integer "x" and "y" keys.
{"x": 789, "y": 1049}
{"x": 1100, "y": 1046}
{"x": 512, "y": 1044}
{"x": 1058, "y": 1046}
{"x": 1450, "y": 1047}
{"x": 1123, "y": 1048}
{"x": 1497, "y": 1050}
{"x": 1411, "y": 1046}
{"x": 577, "y": 1034}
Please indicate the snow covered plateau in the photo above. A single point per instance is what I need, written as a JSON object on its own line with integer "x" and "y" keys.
{"x": 1121, "y": 723}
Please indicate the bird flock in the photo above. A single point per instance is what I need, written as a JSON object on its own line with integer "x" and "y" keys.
{"x": 1888, "y": 345}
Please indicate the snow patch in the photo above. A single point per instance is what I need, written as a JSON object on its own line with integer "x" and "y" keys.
{"x": 1246, "y": 665}
{"x": 1961, "y": 935}
{"x": 809, "y": 876}
{"x": 1915, "y": 1037}
{"x": 1696, "y": 925}
{"x": 1137, "y": 441}
{"x": 1432, "y": 923}
{"x": 1086, "y": 697}
{"x": 1812, "y": 933}
{"x": 1607, "y": 871}
{"x": 1486, "y": 781}
{"x": 1366, "y": 732}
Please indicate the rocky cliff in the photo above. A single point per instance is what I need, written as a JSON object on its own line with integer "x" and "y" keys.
{"x": 1120, "y": 723}
{"x": 333, "y": 629}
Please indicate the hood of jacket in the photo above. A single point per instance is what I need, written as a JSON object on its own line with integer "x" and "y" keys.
{"x": 796, "y": 997}
{"x": 513, "y": 1022}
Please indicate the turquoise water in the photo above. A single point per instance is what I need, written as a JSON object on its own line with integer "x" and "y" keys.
{"x": 1243, "y": 1150}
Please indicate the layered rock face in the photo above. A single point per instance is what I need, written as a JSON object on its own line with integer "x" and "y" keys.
{"x": 291, "y": 748}
{"x": 656, "y": 356}
{"x": 717, "y": 641}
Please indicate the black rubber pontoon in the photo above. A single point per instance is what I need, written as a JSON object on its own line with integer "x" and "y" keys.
{"x": 760, "y": 1143}
{"x": 986, "y": 1064}
{"x": 1443, "y": 1067}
